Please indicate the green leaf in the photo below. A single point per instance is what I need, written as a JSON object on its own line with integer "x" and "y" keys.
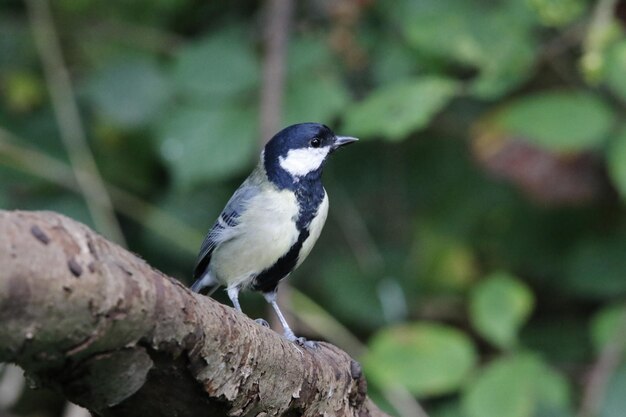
{"x": 129, "y": 93}
{"x": 561, "y": 121}
{"x": 317, "y": 98}
{"x": 392, "y": 60}
{"x": 595, "y": 268}
{"x": 399, "y": 109}
{"x": 616, "y": 162}
{"x": 427, "y": 358}
{"x": 203, "y": 143}
{"x": 314, "y": 89}
{"x": 463, "y": 30}
{"x": 558, "y": 12}
{"x": 615, "y": 401}
{"x": 493, "y": 37}
{"x": 605, "y": 325}
{"x": 499, "y": 306}
{"x": 507, "y": 53}
{"x": 217, "y": 67}
{"x": 516, "y": 386}
{"x": 616, "y": 68}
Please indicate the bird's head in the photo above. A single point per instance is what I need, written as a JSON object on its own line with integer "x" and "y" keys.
{"x": 300, "y": 150}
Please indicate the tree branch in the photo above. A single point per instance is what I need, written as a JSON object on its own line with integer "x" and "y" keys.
{"x": 122, "y": 339}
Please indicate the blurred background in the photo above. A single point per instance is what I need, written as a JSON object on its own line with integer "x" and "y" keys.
{"x": 474, "y": 260}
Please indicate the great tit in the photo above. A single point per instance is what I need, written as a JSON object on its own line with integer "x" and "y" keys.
{"x": 272, "y": 221}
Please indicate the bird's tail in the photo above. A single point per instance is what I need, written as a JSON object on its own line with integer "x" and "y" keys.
{"x": 205, "y": 284}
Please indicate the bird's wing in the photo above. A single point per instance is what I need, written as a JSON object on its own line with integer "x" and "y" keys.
{"x": 225, "y": 226}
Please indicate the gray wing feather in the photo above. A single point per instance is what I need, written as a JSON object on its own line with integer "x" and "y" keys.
{"x": 224, "y": 227}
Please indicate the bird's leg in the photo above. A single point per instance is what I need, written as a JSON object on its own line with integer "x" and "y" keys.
{"x": 270, "y": 297}
{"x": 289, "y": 334}
{"x": 233, "y": 294}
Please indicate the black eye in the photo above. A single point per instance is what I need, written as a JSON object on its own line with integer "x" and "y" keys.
{"x": 315, "y": 142}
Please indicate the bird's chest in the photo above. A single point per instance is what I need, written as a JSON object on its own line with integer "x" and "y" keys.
{"x": 265, "y": 231}
{"x": 311, "y": 215}
{"x": 271, "y": 220}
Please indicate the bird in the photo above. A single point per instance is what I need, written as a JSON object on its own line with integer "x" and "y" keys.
{"x": 272, "y": 221}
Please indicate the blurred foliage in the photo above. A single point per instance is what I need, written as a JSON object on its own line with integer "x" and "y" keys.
{"x": 570, "y": 121}
{"x": 499, "y": 306}
{"x": 477, "y": 232}
{"x": 517, "y": 386}
{"x": 398, "y": 109}
{"x": 428, "y": 359}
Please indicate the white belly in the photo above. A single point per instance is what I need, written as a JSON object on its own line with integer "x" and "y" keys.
{"x": 265, "y": 232}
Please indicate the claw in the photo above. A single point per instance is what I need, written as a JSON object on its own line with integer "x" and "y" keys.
{"x": 262, "y": 322}
{"x": 307, "y": 344}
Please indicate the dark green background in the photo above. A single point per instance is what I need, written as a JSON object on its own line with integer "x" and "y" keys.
{"x": 475, "y": 253}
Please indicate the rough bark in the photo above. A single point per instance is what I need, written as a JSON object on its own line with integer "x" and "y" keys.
{"x": 120, "y": 338}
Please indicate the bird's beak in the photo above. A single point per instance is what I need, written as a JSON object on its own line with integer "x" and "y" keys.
{"x": 342, "y": 141}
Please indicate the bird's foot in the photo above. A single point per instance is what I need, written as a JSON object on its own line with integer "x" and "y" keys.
{"x": 299, "y": 341}
{"x": 307, "y": 344}
{"x": 262, "y": 322}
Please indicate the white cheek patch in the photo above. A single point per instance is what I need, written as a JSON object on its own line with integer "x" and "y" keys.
{"x": 300, "y": 162}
